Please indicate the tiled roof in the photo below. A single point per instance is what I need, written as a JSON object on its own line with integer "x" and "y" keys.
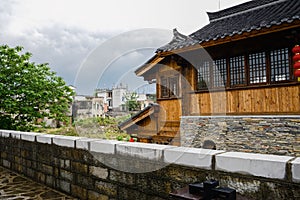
{"x": 246, "y": 17}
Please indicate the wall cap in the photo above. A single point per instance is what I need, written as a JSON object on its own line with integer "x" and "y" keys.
{"x": 296, "y": 170}
{"x": 192, "y": 157}
{"x": 260, "y": 165}
{"x": 142, "y": 150}
{"x": 263, "y": 165}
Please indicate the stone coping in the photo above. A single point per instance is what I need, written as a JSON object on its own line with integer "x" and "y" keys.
{"x": 260, "y": 165}
{"x": 241, "y": 116}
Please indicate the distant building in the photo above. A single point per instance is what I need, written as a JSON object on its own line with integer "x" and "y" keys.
{"x": 114, "y": 100}
{"x": 87, "y": 106}
{"x": 119, "y": 98}
{"x": 106, "y": 94}
{"x": 145, "y": 100}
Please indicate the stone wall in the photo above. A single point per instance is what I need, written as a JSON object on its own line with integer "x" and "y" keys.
{"x": 259, "y": 134}
{"x": 99, "y": 169}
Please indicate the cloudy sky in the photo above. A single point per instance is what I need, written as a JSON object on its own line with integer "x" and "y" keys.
{"x": 97, "y": 43}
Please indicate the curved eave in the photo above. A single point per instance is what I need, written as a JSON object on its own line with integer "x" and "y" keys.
{"x": 234, "y": 36}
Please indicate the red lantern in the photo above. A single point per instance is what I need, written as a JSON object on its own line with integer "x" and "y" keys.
{"x": 297, "y": 65}
{"x": 297, "y": 73}
{"x": 296, "y": 57}
{"x": 296, "y": 49}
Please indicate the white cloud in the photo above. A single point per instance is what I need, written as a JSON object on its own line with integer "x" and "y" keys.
{"x": 63, "y": 33}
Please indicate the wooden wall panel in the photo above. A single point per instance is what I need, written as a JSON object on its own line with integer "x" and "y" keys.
{"x": 172, "y": 109}
{"x": 280, "y": 100}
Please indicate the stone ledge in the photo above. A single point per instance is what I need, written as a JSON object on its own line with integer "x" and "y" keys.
{"x": 104, "y": 146}
{"x": 262, "y": 165}
{"x": 84, "y": 143}
{"x": 65, "y": 141}
{"x": 29, "y": 136}
{"x": 192, "y": 157}
{"x": 296, "y": 170}
{"x": 142, "y": 150}
{"x": 5, "y": 133}
{"x": 45, "y": 138}
{"x": 16, "y": 134}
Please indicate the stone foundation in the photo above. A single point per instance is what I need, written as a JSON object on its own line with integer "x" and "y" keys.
{"x": 278, "y": 135}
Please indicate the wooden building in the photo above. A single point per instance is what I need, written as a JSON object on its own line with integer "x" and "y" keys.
{"x": 239, "y": 64}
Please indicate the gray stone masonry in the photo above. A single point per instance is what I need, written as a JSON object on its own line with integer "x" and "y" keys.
{"x": 279, "y": 135}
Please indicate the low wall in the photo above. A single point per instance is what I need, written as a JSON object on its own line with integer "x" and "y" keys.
{"x": 257, "y": 134}
{"x": 99, "y": 169}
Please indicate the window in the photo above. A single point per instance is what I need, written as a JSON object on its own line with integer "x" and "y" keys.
{"x": 204, "y": 75}
{"x": 257, "y": 68}
{"x": 237, "y": 71}
{"x": 220, "y": 73}
{"x": 170, "y": 87}
{"x": 164, "y": 87}
{"x": 173, "y": 83}
{"x": 280, "y": 66}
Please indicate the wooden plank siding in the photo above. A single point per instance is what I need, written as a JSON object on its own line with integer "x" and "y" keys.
{"x": 276, "y": 100}
{"x": 169, "y": 119}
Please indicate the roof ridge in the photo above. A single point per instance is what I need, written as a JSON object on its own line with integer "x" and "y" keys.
{"x": 241, "y": 8}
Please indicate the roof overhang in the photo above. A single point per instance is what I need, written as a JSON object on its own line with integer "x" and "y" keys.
{"x": 148, "y": 65}
{"x": 149, "y": 110}
{"x": 236, "y": 37}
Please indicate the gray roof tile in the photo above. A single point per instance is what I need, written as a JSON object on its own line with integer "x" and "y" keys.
{"x": 246, "y": 17}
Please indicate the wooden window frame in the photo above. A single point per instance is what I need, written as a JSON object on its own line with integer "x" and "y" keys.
{"x": 220, "y": 73}
{"x": 247, "y": 73}
{"x": 168, "y": 86}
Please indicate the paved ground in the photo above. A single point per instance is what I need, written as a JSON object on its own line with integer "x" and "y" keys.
{"x": 17, "y": 187}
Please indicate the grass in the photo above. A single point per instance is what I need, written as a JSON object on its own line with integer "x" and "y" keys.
{"x": 104, "y": 128}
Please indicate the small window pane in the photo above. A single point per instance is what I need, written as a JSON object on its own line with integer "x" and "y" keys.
{"x": 164, "y": 88}
{"x": 257, "y": 68}
{"x": 219, "y": 73}
{"x": 174, "y": 88}
{"x": 204, "y": 75}
{"x": 237, "y": 70}
{"x": 280, "y": 67}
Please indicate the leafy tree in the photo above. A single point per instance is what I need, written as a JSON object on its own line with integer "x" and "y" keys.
{"x": 29, "y": 91}
{"x": 131, "y": 101}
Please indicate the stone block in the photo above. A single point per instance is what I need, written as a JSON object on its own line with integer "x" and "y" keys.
{"x": 262, "y": 165}
{"x": 104, "y": 146}
{"x": 142, "y": 150}
{"x": 79, "y": 192}
{"x": 296, "y": 170}
{"x": 66, "y": 175}
{"x": 96, "y": 196}
{"x": 29, "y": 136}
{"x": 5, "y": 133}
{"x": 84, "y": 143}
{"x": 192, "y": 157}
{"x": 107, "y": 188}
{"x": 15, "y": 134}
{"x": 45, "y": 138}
{"x": 6, "y": 163}
{"x": 65, "y": 141}
{"x": 99, "y": 172}
{"x": 64, "y": 186}
{"x": 78, "y": 167}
